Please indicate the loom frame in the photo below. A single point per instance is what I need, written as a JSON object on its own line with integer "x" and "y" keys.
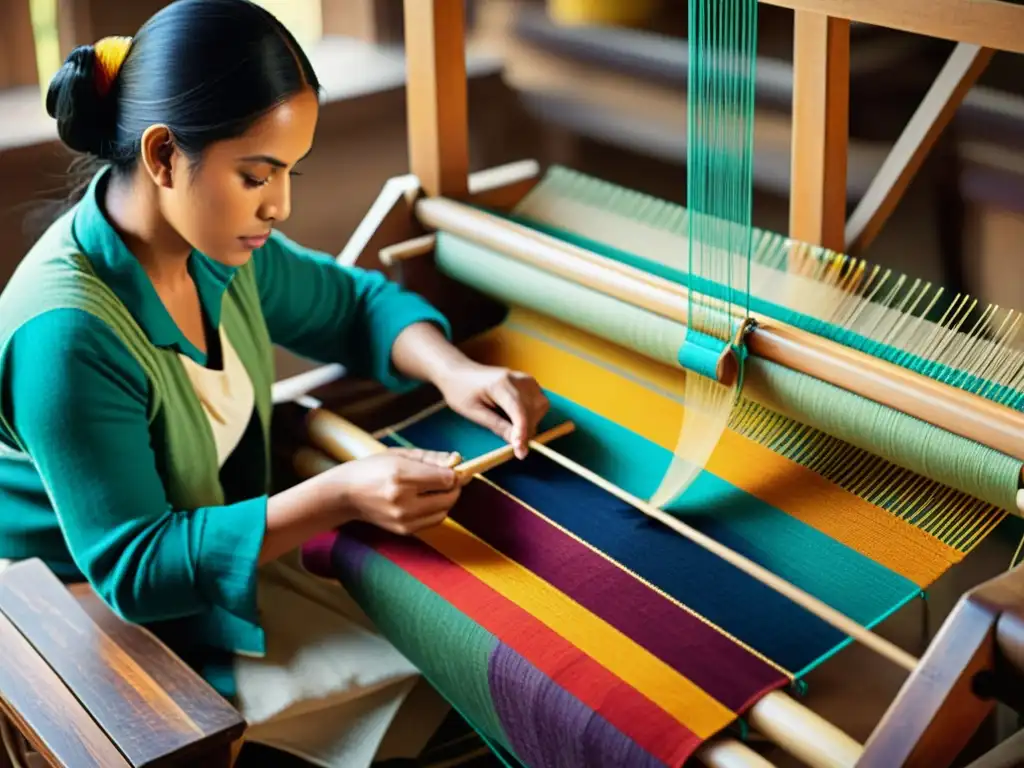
{"x": 439, "y": 157}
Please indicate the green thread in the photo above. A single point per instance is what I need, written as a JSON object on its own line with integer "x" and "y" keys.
{"x": 816, "y": 419}
{"x": 884, "y": 317}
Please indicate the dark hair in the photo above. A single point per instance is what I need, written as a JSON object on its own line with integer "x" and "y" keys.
{"x": 207, "y": 69}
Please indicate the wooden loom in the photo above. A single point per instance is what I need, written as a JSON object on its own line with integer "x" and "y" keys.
{"x": 86, "y": 703}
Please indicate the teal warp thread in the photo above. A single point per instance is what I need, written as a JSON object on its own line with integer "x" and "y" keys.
{"x": 722, "y": 42}
{"x": 907, "y": 442}
{"x": 676, "y": 219}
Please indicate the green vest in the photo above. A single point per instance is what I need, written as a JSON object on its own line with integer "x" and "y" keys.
{"x": 56, "y": 275}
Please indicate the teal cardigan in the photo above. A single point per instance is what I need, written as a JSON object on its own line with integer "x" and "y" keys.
{"x": 79, "y": 395}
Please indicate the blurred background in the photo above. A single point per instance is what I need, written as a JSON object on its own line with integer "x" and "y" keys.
{"x": 606, "y": 97}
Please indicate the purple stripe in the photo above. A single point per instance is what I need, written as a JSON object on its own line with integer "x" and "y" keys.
{"x": 348, "y": 556}
{"x": 721, "y": 667}
{"x": 316, "y": 555}
{"x": 547, "y": 726}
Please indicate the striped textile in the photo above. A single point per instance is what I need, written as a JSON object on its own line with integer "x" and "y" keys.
{"x": 554, "y": 650}
{"x": 569, "y": 628}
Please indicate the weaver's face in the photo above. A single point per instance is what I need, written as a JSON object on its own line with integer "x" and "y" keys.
{"x": 227, "y": 206}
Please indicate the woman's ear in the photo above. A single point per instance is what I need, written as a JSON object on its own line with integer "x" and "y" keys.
{"x": 158, "y": 154}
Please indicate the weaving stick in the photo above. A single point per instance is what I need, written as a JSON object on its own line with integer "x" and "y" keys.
{"x": 823, "y": 611}
{"x": 776, "y": 715}
{"x": 954, "y": 410}
{"x": 500, "y": 455}
{"x": 343, "y": 441}
{"x": 407, "y": 249}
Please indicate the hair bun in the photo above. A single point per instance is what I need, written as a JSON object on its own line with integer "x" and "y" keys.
{"x": 76, "y": 99}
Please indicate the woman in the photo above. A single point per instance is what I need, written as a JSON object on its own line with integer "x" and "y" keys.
{"x": 136, "y": 365}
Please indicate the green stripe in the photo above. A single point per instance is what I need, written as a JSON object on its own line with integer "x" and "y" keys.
{"x": 451, "y": 651}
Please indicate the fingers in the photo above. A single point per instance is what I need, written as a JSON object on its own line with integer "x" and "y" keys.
{"x": 491, "y": 420}
{"x": 436, "y": 458}
{"x": 431, "y": 504}
{"x": 536, "y": 401}
{"x": 422, "y": 512}
{"x": 508, "y": 397}
{"x": 521, "y": 397}
{"x": 421, "y": 471}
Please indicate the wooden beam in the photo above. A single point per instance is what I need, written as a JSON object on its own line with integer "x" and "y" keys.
{"x": 438, "y": 124}
{"x": 18, "y": 65}
{"x": 375, "y": 21}
{"x": 959, "y": 74}
{"x": 988, "y": 23}
{"x": 821, "y": 98}
{"x": 944, "y": 701}
{"x": 78, "y": 668}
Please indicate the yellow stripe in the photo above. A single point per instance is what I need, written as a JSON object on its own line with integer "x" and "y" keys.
{"x": 776, "y": 480}
{"x": 636, "y": 666}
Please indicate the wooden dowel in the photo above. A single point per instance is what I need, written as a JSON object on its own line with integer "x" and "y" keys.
{"x": 808, "y": 737}
{"x": 777, "y": 715}
{"x": 309, "y": 462}
{"x": 729, "y": 753}
{"x": 341, "y": 440}
{"x": 407, "y": 249}
{"x": 812, "y": 604}
{"x": 500, "y": 455}
{"x": 954, "y": 410}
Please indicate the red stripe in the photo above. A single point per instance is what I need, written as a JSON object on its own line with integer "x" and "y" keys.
{"x": 619, "y": 703}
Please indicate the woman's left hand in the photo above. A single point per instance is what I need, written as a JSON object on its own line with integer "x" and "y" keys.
{"x": 509, "y": 403}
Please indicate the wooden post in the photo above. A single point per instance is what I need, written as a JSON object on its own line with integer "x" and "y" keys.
{"x": 17, "y": 45}
{"x": 821, "y": 98}
{"x": 438, "y": 128}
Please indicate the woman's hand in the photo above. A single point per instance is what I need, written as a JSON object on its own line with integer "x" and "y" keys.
{"x": 509, "y": 403}
{"x": 401, "y": 490}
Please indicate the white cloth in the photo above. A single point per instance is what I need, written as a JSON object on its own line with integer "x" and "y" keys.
{"x": 227, "y": 396}
{"x": 330, "y": 687}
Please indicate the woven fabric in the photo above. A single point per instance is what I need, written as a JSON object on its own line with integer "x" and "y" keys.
{"x": 545, "y": 605}
{"x": 549, "y": 646}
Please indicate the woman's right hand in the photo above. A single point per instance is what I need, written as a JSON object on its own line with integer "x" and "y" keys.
{"x": 402, "y": 490}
